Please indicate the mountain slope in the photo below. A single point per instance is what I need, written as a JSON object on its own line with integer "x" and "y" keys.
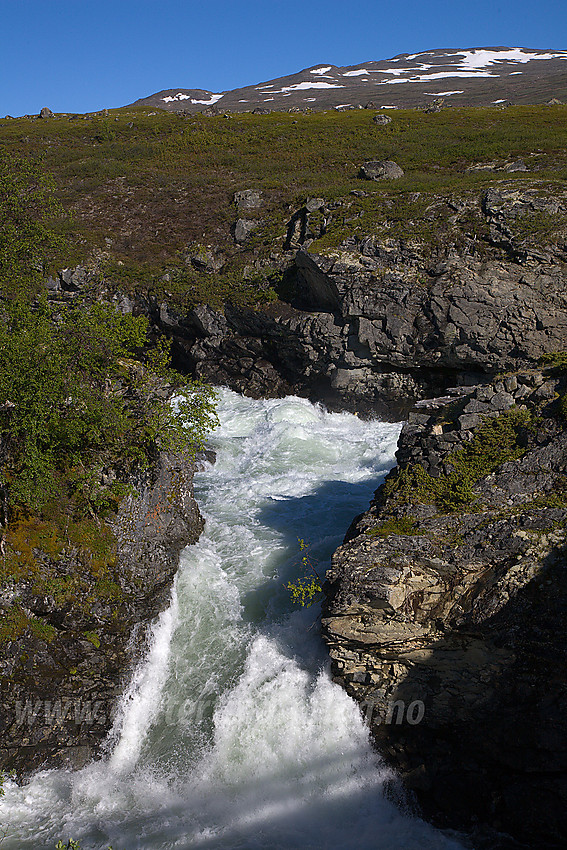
{"x": 464, "y": 77}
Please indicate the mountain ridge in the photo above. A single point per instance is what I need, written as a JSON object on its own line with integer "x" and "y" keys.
{"x": 485, "y": 75}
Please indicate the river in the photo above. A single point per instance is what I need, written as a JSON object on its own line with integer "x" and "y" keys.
{"x": 232, "y": 734}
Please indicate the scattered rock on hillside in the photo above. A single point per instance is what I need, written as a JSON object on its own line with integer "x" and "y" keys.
{"x": 384, "y": 169}
{"x": 520, "y": 165}
{"x": 205, "y": 259}
{"x": 243, "y": 228}
{"x": 46, "y": 113}
{"x": 247, "y": 199}
{"x": 314, "y": 204}
{"x": 382, "y": 120}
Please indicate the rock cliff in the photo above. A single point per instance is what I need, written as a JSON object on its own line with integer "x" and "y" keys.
{"x": 61, "y": 678}
{"x": 475, "y": 284}
{"x": 446, "y": 613}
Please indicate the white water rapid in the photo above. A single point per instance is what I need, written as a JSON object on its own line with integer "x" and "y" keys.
{"x": 232, "y": 734}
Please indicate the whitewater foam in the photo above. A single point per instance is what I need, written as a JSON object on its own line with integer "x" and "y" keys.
{"x": 232, "y": 734}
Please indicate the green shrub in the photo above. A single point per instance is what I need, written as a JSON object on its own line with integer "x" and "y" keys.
{"x": 497, "y": 441}
{"x": 77, "y": 396}
{"x": 27, "y": 241}
{"x": 394, "y": 525}
{"x": 305, "y": 590}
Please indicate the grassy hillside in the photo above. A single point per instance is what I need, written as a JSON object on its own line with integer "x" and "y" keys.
{"x": 144, "y": 185}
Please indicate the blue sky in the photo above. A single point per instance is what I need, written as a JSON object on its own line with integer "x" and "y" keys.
{"x": 79, "y": 55}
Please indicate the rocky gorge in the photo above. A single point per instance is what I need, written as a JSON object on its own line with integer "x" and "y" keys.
{"x": 450, "y": 591}
{"x": 435, "y": 307}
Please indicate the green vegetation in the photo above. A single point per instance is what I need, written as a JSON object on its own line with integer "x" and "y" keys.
{"x": 84, "y": 405}
{"x": 555, "y": 361}
{"x": 77, "y": 399}
{"x": 17, "y": 622}
{"x": 497, "y": 441}
{"x": 70, "y": 845}
{"x": 153, "y": 184}
{"x": 27, "y": 242}
{"x": 306, "y": 589}
{"x": 394, "y": 525}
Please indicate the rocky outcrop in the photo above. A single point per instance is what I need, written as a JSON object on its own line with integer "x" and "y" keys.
{"x": 446, "y": 615}
{"x": 383, "y": 169}
{"x": 384, "y": 320}
{"x": 60, "y": 680}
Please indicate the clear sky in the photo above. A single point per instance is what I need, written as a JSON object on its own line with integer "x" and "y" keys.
{"x": 80, "y": 55}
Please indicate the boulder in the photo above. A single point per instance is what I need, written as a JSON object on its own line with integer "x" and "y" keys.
{"x": 205, "y": 259}
{"x": 46, "y": 113}
{"x": 382, "y": 119}
{"x": 314, "y": 204}
{"x": 383, "y": 169}
{"x": 519, "y": 165}
{"x": 243, "y": 228}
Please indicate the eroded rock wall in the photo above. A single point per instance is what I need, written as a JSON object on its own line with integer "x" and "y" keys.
{"x": 446, "y": 611}
{"x": 383, "y": 321}
{"x": 59, "y": 690}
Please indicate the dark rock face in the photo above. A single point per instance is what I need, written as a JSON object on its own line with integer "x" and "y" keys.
{"x": 383, "y": 321}
{"x": 58, "y": 697}
{"x": 450, "y": 627}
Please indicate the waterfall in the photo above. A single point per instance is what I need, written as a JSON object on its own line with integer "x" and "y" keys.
{"x": 232, "y": 733}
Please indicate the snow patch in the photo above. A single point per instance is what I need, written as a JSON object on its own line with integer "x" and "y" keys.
{"x": 441, "y": 93}
{"x": 309, "y": 85}
{"x": 426, "y": 78}
{"x": 321, "y": 70}
{"x": 482, "y": 58}
{"x": 180, "y": 96}
{"x": 397, "y": 71}
{"x": 356, "y": 73}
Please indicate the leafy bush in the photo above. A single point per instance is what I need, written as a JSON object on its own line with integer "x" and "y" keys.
{"x": 305, "y": 590}
{"x": 26, "y": 240}
{"x": 76, "y": 398}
